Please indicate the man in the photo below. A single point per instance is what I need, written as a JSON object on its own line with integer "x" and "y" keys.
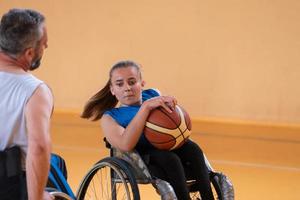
{"x": 26, "y": 105}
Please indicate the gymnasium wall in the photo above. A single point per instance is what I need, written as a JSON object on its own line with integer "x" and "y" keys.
{"x": 231, "y": 60}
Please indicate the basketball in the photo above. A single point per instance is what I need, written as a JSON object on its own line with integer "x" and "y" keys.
{"x": 168, "y": 131}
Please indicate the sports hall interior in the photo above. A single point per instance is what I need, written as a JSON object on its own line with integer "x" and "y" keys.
{"x": 233, "y": 65}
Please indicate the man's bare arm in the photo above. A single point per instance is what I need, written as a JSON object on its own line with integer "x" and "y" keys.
{"x": 38, "y": 112}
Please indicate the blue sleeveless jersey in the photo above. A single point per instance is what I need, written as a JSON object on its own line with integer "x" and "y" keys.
{"x": 124, "y": 115}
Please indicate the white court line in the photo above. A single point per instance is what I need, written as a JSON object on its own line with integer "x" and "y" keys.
{"x": 256, "y": 165}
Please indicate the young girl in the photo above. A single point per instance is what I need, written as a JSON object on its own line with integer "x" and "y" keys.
{"x": 123, "y": 128}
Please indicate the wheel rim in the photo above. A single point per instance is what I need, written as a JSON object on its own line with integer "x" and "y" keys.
{"x": 106, "y": 187}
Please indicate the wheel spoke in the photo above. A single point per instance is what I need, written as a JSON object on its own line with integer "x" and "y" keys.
{"x": 109, "y": 179}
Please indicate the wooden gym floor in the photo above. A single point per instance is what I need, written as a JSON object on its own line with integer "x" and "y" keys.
{"x": 261, "y": 167}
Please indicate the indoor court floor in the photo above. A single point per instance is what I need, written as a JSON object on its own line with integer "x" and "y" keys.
{"x": 264, "y": 167}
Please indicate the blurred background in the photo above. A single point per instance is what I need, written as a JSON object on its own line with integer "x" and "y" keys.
{"x": 233, "y": 65}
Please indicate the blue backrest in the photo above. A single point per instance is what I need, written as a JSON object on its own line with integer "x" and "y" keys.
{"x": 58, "y": 175}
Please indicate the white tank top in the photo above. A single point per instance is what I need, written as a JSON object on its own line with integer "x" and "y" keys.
{"x": 15, "y": 91}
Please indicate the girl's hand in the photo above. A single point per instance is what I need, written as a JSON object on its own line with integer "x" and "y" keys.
{"x": 167, "y": 102}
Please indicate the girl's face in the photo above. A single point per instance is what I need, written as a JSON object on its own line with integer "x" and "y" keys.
{"x": 126, "y": 85}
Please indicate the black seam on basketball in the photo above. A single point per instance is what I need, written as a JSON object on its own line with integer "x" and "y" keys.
{"x": 160, "y": 126}
{"x": 188, "y": 124}
{"x": 166, "y": 113}
{"x": 182, "y": 133}
{"x": 157, "y": 124}
{"x": 174, "y": 138}
{"x": 161, "y": 133}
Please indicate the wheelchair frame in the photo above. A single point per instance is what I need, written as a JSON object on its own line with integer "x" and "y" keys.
{"x": 125, "y": 170}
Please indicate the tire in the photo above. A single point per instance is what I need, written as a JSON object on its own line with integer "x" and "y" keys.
{"x": 110, "y": 178}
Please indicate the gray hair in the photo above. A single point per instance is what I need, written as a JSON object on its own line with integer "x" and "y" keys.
{"x": 20, "y": 29}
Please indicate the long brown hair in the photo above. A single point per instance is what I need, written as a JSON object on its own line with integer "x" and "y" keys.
{"x": 104, "y": 100}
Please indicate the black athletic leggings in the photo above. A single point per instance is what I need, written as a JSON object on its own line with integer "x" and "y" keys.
{"x": 168, "y": 165}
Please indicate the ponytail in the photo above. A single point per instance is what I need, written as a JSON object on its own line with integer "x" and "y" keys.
{"x": 99, "y": 103}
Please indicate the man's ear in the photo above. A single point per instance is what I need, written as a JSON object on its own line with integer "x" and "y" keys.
{"x": 143, "y": 83}
{"x": 26, "y": 57}
{"x": 29, "y": 54}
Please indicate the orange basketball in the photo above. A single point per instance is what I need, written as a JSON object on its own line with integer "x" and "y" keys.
{"x": 166, "y": 130}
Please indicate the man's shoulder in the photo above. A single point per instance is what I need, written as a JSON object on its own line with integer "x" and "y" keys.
{"x": 25, "y": 79}
{"x": 33, "y": 78}
{"x": 43, "y": 91}
{"x": 41, "y": 100}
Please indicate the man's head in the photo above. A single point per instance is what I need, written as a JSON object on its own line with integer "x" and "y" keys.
{"x": 23, "y": 36}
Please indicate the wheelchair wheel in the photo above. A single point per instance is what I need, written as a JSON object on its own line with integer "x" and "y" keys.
{"x": 221, "y": 187}
{"x": 112, "y": 179}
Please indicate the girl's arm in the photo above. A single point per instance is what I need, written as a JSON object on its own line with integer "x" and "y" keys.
{"x": 125, "y": 139}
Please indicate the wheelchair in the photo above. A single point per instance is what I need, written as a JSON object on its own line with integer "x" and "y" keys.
{"x": 118, "y": 177}
{"x": 58, "y": 195}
